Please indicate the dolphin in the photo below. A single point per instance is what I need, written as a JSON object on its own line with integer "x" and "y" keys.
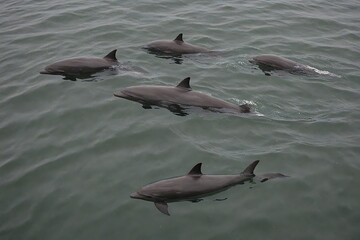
{"x": 268, "y": 62}
{"x": 191, "y": 186}
{"x": 174, "y": 47}
{"x": 82, "y": 67}
{"x": 178, "y": 98}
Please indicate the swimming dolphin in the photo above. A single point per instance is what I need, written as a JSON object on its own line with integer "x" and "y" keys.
{"x": 176, "y": 46}
{"x": 82, "y": 67}
{"x": 178, "y": 98}
{"x": 191, "y": 186}
{"x": 268, "y": 62}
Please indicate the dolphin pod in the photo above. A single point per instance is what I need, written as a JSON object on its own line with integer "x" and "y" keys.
{"x": 85, "y": 67}
{"x": 178, "y": 98}
{"x": 81, "y": 67}
{"x": 194, "y": 185}
{"x": 191, "y": 187}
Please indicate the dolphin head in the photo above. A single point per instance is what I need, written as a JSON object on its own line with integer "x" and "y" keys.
{"x": 135, "y": 195}
{"x": 138, "y": 195}
{"x": 120, "y": 94}
{"x": 131, "y": 93}
{"x": 144, "y": 93}
{"x": 52, "y": 69}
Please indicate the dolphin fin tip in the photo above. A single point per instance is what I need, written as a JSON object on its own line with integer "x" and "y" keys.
{"x": 162, "y": 207}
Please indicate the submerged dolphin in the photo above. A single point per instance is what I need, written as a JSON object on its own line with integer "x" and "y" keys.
{"x": 268, "y": 62}
{"x": 178, "y": 98}
{"x": 176, "y": 46}
{"x": 82, "y": 67}
{"x": 267, "y": 176}
{"x": 192, "y": 186}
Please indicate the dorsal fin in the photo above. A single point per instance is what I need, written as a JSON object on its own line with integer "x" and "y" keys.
{"x": 249, "y": 170}
{"x": 196, "y": 170}
{"x": 185, "y": 83}
{"x": 179, "y": 38}
{"x": 111, "y": 55}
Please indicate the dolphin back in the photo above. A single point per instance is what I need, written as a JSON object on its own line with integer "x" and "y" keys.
{"x": 176, "y": 46}
{"x": 81, "y": 67}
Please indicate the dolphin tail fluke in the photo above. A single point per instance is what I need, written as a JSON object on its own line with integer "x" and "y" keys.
{"x": 249, "y": 170}
{"x": 162, "y": 207}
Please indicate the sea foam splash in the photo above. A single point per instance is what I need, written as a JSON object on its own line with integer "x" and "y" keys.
{"x": 322, "y": 72}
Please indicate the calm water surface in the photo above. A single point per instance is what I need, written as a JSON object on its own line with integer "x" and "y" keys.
{"x": 71, "y": 153}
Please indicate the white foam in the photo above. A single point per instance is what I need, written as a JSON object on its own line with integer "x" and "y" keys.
{"x": 238, "y": 101}
{"x": 321, "y": 72}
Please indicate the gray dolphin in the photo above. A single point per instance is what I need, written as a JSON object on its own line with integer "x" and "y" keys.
{"x": 268, "y": 62}
{"x": 82, "y": 67}
{"x": 192, "y": 186}
{"x": 178, "y": 98}
{"x": 176, "y": 46}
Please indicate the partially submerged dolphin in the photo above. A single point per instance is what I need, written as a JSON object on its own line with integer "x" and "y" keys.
{"x": 268, "y": 62}
{"x": 267, "y": 176}
{"x": 191, "y": 186}
{"x": 178, "y": 98}
{"x": 176, "y": 46}
{"x": 82, "y": 67}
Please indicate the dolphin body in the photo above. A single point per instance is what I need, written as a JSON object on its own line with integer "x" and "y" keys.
{"x": 175, "y": 47}
{"x": 178, "y": 98}
{"x": 191, "y": 186}
{"x": 82, "y": 67}
{"x": 268, "y": 62}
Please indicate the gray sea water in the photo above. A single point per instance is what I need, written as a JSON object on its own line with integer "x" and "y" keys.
{"x": 71, "y": 153}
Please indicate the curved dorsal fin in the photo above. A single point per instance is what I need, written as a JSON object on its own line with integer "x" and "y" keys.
{"x": 185, "y": 83}
{"x": 249, "y": 170}
{"x": 111, "y": 55}
{"x": 196, "y": 170}
{"x": 179, "y": 38}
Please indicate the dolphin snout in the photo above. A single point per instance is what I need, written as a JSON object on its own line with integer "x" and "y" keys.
{"x": 51, "y": 70}
{"x": 135, "y": 195}
{"x": 47, "y": 70}
{"x": 119, "y": 94}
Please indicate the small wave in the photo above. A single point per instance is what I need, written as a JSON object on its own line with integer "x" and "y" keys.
{"x": 238, "y": 101}
{"x": 248, "y": 102}
{"x": 322, "y": 72}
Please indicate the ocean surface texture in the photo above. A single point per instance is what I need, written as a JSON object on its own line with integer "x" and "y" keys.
{"x": 71, "y": 153}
